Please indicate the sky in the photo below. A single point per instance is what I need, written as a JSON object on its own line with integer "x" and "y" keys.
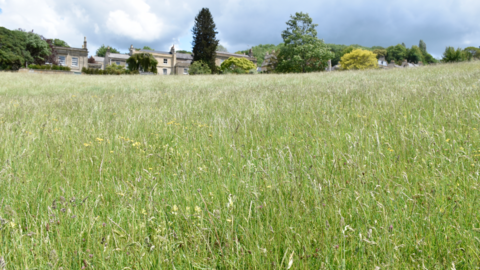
{"x": 242, "y": 24}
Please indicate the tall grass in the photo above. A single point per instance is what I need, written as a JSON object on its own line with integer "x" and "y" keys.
{"x": 347, "y": 170}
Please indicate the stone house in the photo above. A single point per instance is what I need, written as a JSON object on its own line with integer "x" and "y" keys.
{"x": 172, "y": 62}
{"x": 75, "y": 58}
{"x": 114, "y": 58}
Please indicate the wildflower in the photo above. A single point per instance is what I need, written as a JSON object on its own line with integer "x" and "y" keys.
{"x": 390, "y": 228}
{"x": 187, "y": 208}
{"x": 175, "y": 209}
{"x": 12, "y": 224}
{"x": 86, "y": 144}
{"x": 197, "y": 209}
{"x": 100, "y": 140}
{"x": 111, "y": 151}
{"x": 229, "y": 220}
{"x": 447, "y": 140}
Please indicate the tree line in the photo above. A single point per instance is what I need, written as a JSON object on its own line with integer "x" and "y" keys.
{"x": 301, "y": 51}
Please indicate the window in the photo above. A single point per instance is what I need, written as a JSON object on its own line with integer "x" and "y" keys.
{"x": 74, "y": 62}
{"x": 185, "y": 71}
{"x": 118, "y": 63}
{"x": 165, "y": 61}
{"x": 61, "y": 59}
{"x": 221, "y": 61}
{"x": 165, "y": 71}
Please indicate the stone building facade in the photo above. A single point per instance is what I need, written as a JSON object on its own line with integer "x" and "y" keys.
{"x": 172, "y": 62}
{"x": 75, "y": 58}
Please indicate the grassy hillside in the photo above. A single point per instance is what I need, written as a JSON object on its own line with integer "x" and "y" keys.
{"x": 309, "y": 171}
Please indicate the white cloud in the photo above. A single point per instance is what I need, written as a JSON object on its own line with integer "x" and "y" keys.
{"x": 137, "y": 22}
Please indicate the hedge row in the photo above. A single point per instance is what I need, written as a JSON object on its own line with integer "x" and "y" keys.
{"x": 49, "y": 67}
{"x": 95, "y": 71}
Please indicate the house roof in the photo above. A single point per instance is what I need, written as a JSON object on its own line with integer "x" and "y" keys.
{"x": 98, "y": 59}
{"x": 118, "y": 56}
{"x": 184, "y": 56}
{"x": 149, "y": 51}
{"x": 233, "y": 54}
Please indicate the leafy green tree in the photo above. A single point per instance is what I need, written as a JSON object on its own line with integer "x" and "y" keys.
{"x": 221, "y": 48}
{"x": 397, "y": 53}
{"x": 241, "y": 63}
{"x": 199, "y": 68}
{"x": 60, "y": 43}
{"x": 13, "y": 51}
{"x": 359, "y": 59}
{"x": 472, "y": 52}
{"x": 204, "y": 39}
{"x": 103, "y": 50}
{"x": 415, "y": 55}
{"x": 142, "y": 62}
{"x": 38, "y": 47}
{"x": 451, "y": 55}
{"x": 422, "y": 45}
{"x": 429, "y": 58}
{"x": 380, "y": 53}
{"x": 261, "y": 50}
{"x": 303, "y": 51}
{"x": 145, "y": 48}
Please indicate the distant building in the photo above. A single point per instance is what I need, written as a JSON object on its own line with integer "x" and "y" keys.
{"x": 172, "y": 62}
{"x": 382, "y": 62}
{"x": 74, "y": 58}
{"x": 114, "y": 58}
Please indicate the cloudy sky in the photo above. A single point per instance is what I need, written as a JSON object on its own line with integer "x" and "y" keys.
{"x": 245, "y": 23}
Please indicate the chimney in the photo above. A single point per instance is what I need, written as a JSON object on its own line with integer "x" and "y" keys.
{"x": 131, "y": 50}
{"x": 108, "y": 51}
{"x": 172, "y": 49}
{"x": 84, "y": 42}
{"x": 250, "y": 53}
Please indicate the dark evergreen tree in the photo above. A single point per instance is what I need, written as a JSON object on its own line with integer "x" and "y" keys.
{"x": 204, "y": 40}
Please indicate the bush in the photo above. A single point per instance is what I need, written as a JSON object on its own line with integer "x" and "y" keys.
{"x": 359, "y": 59}
{"x": 237, "y": 65}
{"x": 199, "y": 68}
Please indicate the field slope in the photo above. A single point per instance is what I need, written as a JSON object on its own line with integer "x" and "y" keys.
{"x": 352, "y": 170}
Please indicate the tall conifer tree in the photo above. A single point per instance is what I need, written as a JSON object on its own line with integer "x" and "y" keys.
{"x": 204, "y": 40}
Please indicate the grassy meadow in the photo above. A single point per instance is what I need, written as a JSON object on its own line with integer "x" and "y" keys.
{"x": 342, "y": 170}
